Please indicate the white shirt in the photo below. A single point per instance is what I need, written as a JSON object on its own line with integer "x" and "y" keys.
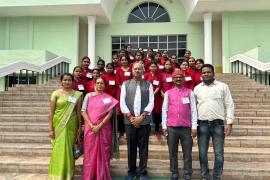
{"x": 193, "y": 110}
{"x": 137, "y": 101}
{"x": 212, "y": 100}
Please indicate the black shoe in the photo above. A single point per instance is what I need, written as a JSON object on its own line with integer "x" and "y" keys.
{"x": 144, "y": 177}
{"x": 174, "y": 177}
{"x": 130, "y": 177}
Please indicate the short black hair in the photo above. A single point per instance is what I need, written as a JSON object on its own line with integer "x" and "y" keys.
{"x": 85, "y": 57}
{"x": 199, "y": 60}
{"x": 76, "y": 68}
{"x": 110, "y": 64}
{"x": 66, "y": 74}
{"x": 209, "y": 66}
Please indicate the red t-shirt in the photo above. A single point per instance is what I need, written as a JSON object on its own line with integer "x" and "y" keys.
{"x": 79, "y": 86}
{"x": 110, "y": 84}
{"x": 87, "y": 75}
{"x": 155, "y": 80}
{"x": 189, "y": 81}
{"x": 167, "y": 81}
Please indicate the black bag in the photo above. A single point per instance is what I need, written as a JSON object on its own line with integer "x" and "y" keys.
{"x": 78, "y": 148}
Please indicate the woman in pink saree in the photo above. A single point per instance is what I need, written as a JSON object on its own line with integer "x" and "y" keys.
{"x": 97, "y": 113}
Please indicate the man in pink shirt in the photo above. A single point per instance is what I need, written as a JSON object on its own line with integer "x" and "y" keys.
{"x": 179, "y": 121}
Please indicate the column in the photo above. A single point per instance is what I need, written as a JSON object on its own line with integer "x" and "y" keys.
{"x": 91, "y": 39}
{"x": 208, "y": 38}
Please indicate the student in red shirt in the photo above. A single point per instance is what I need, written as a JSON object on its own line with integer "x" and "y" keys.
{"x": 110, "y": 80}
{"x": 155, "y": 79}
{"x": 123, "y": 73}
{"x": 115, "y": 61}
{"x": 101, "y": 66}
{"x": 90, "y": 86}
{"x": 86, "y": 74}
{"x": 129, "y": 51}
{"x": 175, "y": 65}
{"x": 191, "y": 66}
{"x": 198, "y": 75}
{"x": 187, "y": 55}
{"x": 78, "y": 84}
{"x": 159, "y": 63}
{"x": 166, "y": 77}
{"x": 164, "y": 57}
{"x": 189, "y": 78}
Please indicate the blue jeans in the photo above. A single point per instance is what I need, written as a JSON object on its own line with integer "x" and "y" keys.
{"x": 215, "y": 130}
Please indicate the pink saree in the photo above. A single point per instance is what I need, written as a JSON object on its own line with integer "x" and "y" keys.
{"x": 98, "y": 147}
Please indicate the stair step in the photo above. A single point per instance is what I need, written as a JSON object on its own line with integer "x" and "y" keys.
{"x": 23, "y": 118}
{"x": 231, "y": 141}
{"x": 232, "y": 154}
{"x": 252, "y": 120}
{"x": 22, "y": 126}
{"x": 156, "y": 168}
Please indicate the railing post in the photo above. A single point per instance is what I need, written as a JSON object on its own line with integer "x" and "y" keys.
{"x": 246, "y": 70}
{"x": 242, "y": 68}
{"x": 6, "y": 82}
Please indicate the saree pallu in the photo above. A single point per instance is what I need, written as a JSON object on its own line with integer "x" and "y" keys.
{"x": 98, "y": 146}
{"x": 65, "y": 125}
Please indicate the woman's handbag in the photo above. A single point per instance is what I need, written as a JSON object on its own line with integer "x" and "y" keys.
{"x": 78, "y": 148}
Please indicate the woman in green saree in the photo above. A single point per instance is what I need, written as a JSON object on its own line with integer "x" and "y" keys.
{"x": 64, "y": 128}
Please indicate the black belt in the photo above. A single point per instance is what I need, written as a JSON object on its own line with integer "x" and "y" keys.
{"x": 215, "y": 121}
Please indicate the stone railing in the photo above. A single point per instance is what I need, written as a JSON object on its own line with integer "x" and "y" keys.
{"x": 22, "y": 72}
{"x": 252, "y": 68}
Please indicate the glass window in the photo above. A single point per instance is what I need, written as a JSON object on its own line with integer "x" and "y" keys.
{"x": 115, "y": 39}
{"x": 148, "y": 12}
{"x": 162, "y": 38}
{"x": 175, "y": 44}
{"x": 162, "y": 46}
{"x": 133, "y": 39}
{"x": 172, "y": 45}
{"x": 143, "y": 38}
{"x": 153, "y": 38}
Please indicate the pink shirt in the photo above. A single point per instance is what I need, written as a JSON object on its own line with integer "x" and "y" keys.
{"x": 179, "y": 108}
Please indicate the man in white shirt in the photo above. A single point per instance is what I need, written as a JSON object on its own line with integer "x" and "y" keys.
{"x": 213, "y": 97}
{"x": 137, "y": 103}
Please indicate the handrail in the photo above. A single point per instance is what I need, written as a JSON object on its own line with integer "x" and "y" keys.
{"x": 23, "y": 65}
{"x": 252, "y": 68}
{"x": 251, "y": 62}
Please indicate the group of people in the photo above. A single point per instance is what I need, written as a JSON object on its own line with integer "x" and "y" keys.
{"x": 181, "y": 95}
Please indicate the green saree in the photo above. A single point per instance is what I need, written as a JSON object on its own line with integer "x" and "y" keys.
{"x": 65, "y": 125}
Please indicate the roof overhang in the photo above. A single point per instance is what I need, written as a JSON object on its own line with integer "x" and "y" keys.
{"x": 101, "y": 9}
{"x": 195, "y": 9}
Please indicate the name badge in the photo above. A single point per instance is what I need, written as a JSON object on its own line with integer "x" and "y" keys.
{"x": 127, "y": 74}
{"x": 161, "y": 67}
{"x": 169, "y": 79}
{"x": 80, "y": 87}
{"x": 111, "y": 82}
{"x": 188, "y": 78}
{"x": 142, "y": 77}
{"x": 89, "y": 75}
{"x": 155, "y": 82}
{"x": 107, "y": 100}
{"x": 185, "y": 100}
{"x": 71, "y": 99}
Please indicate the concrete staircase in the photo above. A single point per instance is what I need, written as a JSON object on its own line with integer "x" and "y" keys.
{"x": 25, "y": 147}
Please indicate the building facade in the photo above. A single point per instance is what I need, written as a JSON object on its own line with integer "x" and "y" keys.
{"x": 212, "y": 30}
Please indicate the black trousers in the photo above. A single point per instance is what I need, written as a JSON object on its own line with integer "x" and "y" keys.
{"x": 137, "y": 137}
{"x": 184, "y": 135}
{"x": 121, "y": 125}
{"x": 157, "y": 120}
